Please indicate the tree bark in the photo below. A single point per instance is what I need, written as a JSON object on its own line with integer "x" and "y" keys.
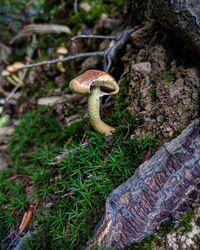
{"x": 160, "y": 189}
{"x": 181, "y": 17}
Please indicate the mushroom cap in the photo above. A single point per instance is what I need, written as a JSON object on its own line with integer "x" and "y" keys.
{"x": 18, "y": 65}
{"x": 10, "y": 68}
{"x": 5, "y": 73}
{"x": 62, "y": 51}
{"x": 94, "y": 78}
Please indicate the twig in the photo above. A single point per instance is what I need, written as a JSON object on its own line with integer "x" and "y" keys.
{"x": 32, "y": 29}
{"x": 119, "y": 43}
{"x": 22, "y": 241}
{"x": 92, "y": 37}
{"x": 11, "y": 94}
{"x": 54, "y": 100}
{"x": 65, "y": 59}
{"x": 75, "y": 6}
{"x": 59, "y": 158}
{"x": 127, "y": 133}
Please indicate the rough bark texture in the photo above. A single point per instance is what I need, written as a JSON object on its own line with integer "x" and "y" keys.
{"x": 182, "y": 17}
{"x": 161, "y": 188}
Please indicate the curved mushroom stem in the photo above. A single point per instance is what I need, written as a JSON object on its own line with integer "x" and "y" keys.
{"x": 59, "y": 65}
{"x": 94, "y": 112}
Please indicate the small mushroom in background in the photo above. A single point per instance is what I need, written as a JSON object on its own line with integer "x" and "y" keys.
{"x": 11, "y": 71}
{"x": 61, "y": 51}
{"x": 8, "y": 77}
{"x": 96, "y": 83}
{"x": 14, "y": 74}
{"x": 18, "y": 66}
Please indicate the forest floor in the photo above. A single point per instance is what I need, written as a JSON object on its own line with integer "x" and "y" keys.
{"x": 56, "y": 171}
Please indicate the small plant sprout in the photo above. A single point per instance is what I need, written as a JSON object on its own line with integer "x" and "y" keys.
{"x": 96, "y": 83}
{"x": 61, "y": 51}
{"x": 14, "y": 74}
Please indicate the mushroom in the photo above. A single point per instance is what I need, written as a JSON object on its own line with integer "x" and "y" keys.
{"x": 18, "y": 66}
{"x": 96, "y": 83}
{"x": 12, "y": 69}
{"x": 61, "y": 51}
{"x": 8, "y": 77}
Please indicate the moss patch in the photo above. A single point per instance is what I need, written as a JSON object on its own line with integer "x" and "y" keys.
{"x": 72, "y": 194}
{"x": 168, "y": 76}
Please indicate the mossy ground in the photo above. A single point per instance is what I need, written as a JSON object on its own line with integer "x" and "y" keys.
{"x": 70, "y": 195}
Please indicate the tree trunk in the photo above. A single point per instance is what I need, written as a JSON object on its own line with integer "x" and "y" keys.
{"x": 160, "y": 189}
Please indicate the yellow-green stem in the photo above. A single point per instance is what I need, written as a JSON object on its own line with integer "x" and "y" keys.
{"x": 94, "y": 112}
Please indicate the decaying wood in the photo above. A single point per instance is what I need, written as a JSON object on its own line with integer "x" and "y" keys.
{"x": 161, "y": 188}
{"x": 32, "y": 29}
{"x": 181, "y": 18}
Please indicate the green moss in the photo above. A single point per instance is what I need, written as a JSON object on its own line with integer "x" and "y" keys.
{"x": 76, "y": 188}
{"x": 152, "y": 91}
{"x": 37, "y": 129}
{"x": 12, "y": 199}
{"x": 186, "y": 219}
{"x": 4, "y": 120}
{"x": 147, "y": 244}
{"x": 83, "y": 17}
{"x": 166, "y": 227}
{"x": 98, "y": 7}
{"x": 168, "y": 76}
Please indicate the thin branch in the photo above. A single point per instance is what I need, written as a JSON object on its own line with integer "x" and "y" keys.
{"x": 32, "y": 29}
{"x": 118, "y": 44}
{"x": 92, "y": 37}
{"x": 11, "y": 93}
{"x": 75, "y": 6}
{"x": 55, "y": 100}
{"x": 59, "y": 158}
{"x": 65, "y": 59}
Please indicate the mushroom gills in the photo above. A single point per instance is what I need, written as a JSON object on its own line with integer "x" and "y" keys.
{"x": 94, "y": 112}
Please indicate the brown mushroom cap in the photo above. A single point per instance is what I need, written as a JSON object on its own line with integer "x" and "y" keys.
{"x": 82, "y": 83}
{"x": 62, "y": 51}
{"x": 18, "y": 65}
{"x": 10, "y": 68}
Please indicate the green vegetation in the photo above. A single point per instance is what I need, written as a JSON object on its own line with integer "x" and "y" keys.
{"x": 98, "y": 7}
{"x": 72, "y": 193}
{"x": 186, "y": 219}
{"x": 147, "y": 244}
{"x": 152, "y": 91}
{"x": 168, "y": 76}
